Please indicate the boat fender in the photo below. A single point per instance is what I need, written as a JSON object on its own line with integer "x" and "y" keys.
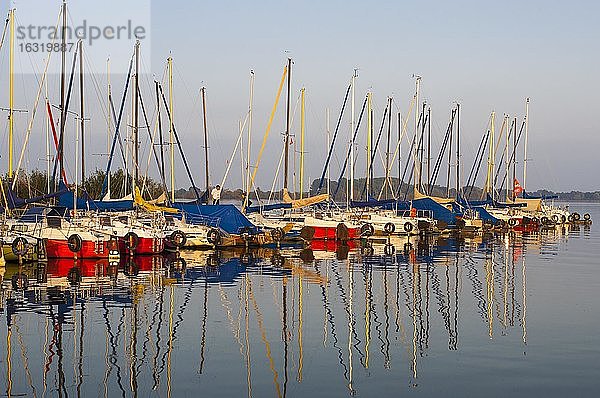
{"x": 214, "y": 236}
{"x": 367, "y": 230}
{"x": 132, "y": 240}
{"x": 307, "y": 233}
{"x": 576, "y": 216}
{"x": 407, "y": 247}
{"x": 512, "y": 222}
{"x": 19, "y": 281}
{"x": 545, "y": 220}
{"x": 75, "y": 243}
{"x": 20, "y": 246}
{"x": 587, "y": 217}
{"x": 112, "y": 244}
{"x": 389, "y": 228}
{"x": 178, "y": 239}
{"x": 341, "y": 232}
{"x": 408, "y": 227}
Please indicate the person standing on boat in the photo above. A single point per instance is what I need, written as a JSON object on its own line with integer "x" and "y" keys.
{"x": 216, "y": 195}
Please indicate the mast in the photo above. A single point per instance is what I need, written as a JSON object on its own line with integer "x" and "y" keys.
{"x": 449, "y": 152}
{"x": 302, "y": 129}
{"x": 415, "y": 149}
{"x": 457, "y": 149}
{"x": 489, "y": 188}
{"x": 63, "y": 113}
{"x": 171, "y": 138}
{"x": 205, "y": 140}
{"x": 387, "y": 150}
{"x": 81, "y": 111}
{"x": 508, "y": 132}
{"x": 369, "y": 139}
{"x": 287, "y": 127}
{"x": 11, "y": 16}
{"x": 354, "y": 76}
{"x": 136, "y": 100}
{"x": 248, "y": 187}
{"x": 429, "y": 152}
{"x": 514, "y": 157}
{"x": 526, "y": 137}
{"x": 109, "y": 122}
{"x": 328, "y": 144}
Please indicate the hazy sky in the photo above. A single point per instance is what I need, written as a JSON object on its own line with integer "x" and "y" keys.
{"x": 486, "y": 55}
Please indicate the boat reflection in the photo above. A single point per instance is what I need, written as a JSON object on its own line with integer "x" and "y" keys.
{"x": 143, "y": 322}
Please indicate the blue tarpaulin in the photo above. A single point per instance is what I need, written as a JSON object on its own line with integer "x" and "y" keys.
{"x": 226, "y": 217}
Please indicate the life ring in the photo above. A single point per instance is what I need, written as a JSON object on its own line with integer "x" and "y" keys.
{"x": 75, "y": 243}
{"x": 512, "y": 222}
{"x": 587, "y": 217}
{"x": 576, "y": 216}
{"x": 408, "y": 227}
{"x": 19, "y": 281}
{"x": 132, "y": 240}
{"x": 555, "y": 218}
{"x": 389, "y": 249}
{"x": 74, "y": 276}
{"x": 20, "y": 246}
{"x": 570, "y": 218}
{"x": 341, "y": 232}
{"x": 178, "y": 239}
{"x": 214, "y": 236}
{"x": 389, "y": 228}
{"x": 277, "y": 234}
{"x": 367, "y": 230}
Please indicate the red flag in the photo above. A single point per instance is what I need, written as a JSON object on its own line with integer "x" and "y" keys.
{"x": 517, "y": 187}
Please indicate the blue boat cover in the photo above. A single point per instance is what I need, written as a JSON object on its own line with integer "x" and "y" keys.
{"x": 440, "y": 213}
{"x": 226, "y": 217}
{"x": 66, "y": 200}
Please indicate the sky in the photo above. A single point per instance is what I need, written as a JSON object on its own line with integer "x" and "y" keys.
{"x": 488, "y": 56}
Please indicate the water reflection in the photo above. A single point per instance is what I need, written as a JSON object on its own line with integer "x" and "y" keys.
{"x": 260, "y": 322}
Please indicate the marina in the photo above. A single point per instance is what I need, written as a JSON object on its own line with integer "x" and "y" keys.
{"x": 285, "y": 234}
{"x": 467, "y": 314}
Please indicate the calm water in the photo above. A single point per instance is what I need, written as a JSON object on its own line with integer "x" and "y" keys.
{"x": 516, "y": 316}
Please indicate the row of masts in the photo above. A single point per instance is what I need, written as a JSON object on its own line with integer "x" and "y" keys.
{"x": 422, "y": 124}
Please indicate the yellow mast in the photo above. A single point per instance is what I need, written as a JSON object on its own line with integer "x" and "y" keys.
{"x": 302, "y": 127}
{"x": 11, "y": 16}
{"x": 262, "y": 147}
{"x": 171, "y": 138}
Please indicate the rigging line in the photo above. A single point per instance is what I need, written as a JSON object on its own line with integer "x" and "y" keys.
{"x": 237, "y": 143}
{"x": 151, "y": 139}
{"x": 118, "y": 126}
{"x": 273, "y": 110}
{"x": 276, "y": 177}
{"x": 350, "y": 148}
{"x": 31, "y": 119}
{"x": 337, "y": 127}
{"x": 185, "y": 163}
{"x": 440, "y": 158}
{"x": 404, "y": 130}
{"x": 375, "y": 148}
